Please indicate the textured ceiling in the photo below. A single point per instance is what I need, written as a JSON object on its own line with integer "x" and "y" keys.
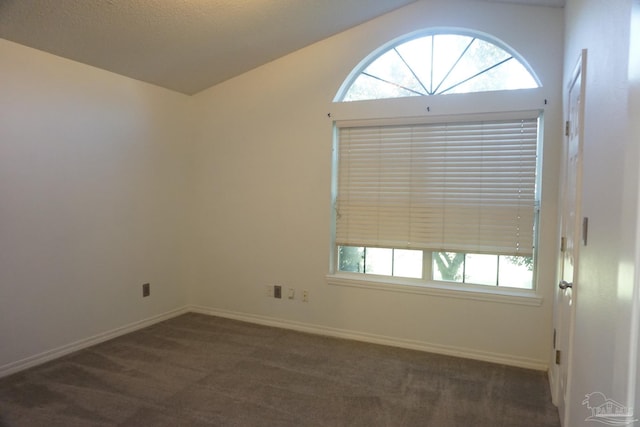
{"x": 184, "y": 45}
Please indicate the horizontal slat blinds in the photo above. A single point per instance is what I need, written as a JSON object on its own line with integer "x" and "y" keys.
{"x": 458, "y": 187}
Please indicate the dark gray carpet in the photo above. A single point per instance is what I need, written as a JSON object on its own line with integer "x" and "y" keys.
{"x": 197, "y": 370}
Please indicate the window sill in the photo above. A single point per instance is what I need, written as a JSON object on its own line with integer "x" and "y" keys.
{"x": 460, "y": 290}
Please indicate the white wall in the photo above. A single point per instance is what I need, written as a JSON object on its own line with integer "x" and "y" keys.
{"x": 93, "y": 196}
{"x": 263, "y": 180}
{"x": 604, "y": 357}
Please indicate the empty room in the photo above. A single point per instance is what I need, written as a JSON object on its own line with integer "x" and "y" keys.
{"x": 319, "y": 213}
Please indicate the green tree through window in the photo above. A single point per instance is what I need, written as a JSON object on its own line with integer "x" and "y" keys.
{"x": 449, "y": 265}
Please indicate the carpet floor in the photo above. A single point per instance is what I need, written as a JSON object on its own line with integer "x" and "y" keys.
{"x": 197, "y": 370}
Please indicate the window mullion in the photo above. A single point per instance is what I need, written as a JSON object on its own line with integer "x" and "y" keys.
{"x": 427, "y": 265}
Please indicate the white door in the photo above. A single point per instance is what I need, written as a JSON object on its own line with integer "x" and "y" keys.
{"x": 571, "y": 229}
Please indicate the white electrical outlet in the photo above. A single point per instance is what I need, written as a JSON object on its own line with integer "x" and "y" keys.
{"x": 305, "y": 296}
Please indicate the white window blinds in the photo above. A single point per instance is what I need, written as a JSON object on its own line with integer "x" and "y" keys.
{"x": 458, "y": 187}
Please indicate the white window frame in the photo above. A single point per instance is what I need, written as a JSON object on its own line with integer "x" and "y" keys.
{"x": 437, "y": 109}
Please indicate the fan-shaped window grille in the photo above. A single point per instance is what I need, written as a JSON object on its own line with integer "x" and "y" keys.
{"x": 439, "y": 64}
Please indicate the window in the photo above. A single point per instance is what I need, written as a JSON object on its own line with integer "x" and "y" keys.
{"x": 439, "y": 64}
{"x": 448, "y": 200}
{"x": 453, "y": 201}
{"x": 456, "y": 267}
{"x": 385, "y": 261}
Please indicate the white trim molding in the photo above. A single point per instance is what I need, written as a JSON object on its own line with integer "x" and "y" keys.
{"x": 38, "y": 359}
{"x": 461, "y": 291}
{"x": 504, "y": 359}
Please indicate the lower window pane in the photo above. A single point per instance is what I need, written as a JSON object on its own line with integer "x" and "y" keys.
{"x": 481, "y": 269}
{"x": 379, "y": 261}
{"x": 407, "y": 263}
{"x": 516, "y": 272}
{"x": 448, "y": 266}
{"x": 351, "y": 258}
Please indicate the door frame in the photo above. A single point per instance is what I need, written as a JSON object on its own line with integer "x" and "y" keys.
{"x": 555, "y": 372}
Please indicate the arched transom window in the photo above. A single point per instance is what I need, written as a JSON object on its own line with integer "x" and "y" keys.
{"x": 438, "y": 64}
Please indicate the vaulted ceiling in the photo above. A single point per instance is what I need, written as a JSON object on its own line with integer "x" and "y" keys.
{"x": 185, "y": 45}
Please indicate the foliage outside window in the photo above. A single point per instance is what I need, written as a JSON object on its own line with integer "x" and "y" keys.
{"x": 456, "y": 267}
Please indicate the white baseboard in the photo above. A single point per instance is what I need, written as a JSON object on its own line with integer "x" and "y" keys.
{"x": 504, "y": 359}
{"x": 46, "y": 356}
{"x": 55, "y": 353}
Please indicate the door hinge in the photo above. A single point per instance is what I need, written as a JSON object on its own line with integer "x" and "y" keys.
{"x": 585, "y": 230}
{"x": 557, "y": 357}
{"x": 554, "y": 338}
{"x": 567, "y": 127}
{"x": 563, "y": 244}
